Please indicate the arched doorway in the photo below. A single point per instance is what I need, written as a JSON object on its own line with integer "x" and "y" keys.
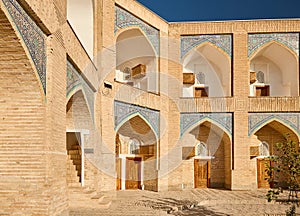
{"x": 211, "y": 155}
{"x": 136, "y": 62}
{"x": 266, "y": 139}
{"x": 136, "y": 145}
{"x": 277, "y": 73}
{"x": 79, "y": 125}
{"x": 206, "y": 72}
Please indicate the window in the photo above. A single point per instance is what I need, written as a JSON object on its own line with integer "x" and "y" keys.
{"x": 134, "y": 146}
{"x": 260, "y": 76}
{"x": 200, "y": 77}
{"x": 264, "y": 149}
{"x": 201, "y": 150}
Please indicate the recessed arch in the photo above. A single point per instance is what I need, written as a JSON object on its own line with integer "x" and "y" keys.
{"x": 280, "y": 66}
{"x": 215, "y": 63}
{"x": 74, "y": 91}
{"x": 131, "y": 116}
{"x": 136, "y": 60}
{"x": 267, "y": 44}
{"x": 137, "y": 154}
{"x": 274, "y": 119}
{"x": 206, "y": 119}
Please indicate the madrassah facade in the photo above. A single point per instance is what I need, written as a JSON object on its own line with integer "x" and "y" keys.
{"x": 105, "y": 94}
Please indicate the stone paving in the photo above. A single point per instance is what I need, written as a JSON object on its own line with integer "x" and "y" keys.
{"x": 197, "y": 202}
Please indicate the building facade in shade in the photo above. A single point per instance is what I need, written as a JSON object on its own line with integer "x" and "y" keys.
{"x": 107, "y": 95}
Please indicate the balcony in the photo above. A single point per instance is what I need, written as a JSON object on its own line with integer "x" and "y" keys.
{"x": 277, "y": 104}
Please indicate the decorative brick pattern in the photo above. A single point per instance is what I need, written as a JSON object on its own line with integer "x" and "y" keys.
{"x": 125, "y": 19}
{"x": 224, "y": 42}
{"x": 74, "y": 81}
{"x": 255, "y": 41}
{"x": 124, "y": 110}
{"x": 257, "y": 120}
{"x": 187, "y": 120}
{"x": 32, "y": 35}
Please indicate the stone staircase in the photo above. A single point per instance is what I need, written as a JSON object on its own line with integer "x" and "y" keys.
{"x": 74, "y": 166}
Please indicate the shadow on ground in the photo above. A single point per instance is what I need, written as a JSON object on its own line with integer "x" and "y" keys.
{"x": 177, "y": 207}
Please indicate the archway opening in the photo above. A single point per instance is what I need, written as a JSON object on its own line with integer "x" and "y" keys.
{"x": 210, "y": 151}
{"x": 136, "y": 62}
{"x": 206, "y": 73}
{"x": 277, "y": 73}
{"x": 79, "y": 123}
{"x": 136, "y": 146}
{"x": 265, "y": 140}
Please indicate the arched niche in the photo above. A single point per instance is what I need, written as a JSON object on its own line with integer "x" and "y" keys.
{"x": 136, "y": 61}
{"x": 80, "y": 14}
{"x": 266, "y": 138}
{"x": 211, "y": 65}
{"x": 215, "y": 146}
{"x": 279, "y": 66}
{"x": 136, "y": 147}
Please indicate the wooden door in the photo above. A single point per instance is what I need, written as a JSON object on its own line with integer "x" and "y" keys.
{"x": 133, "y": 173}
{"x": 119, "y": 173}
{"x": 262, "y": 174}
{"x": 201, "y": 92}
{"x": 201, "y": 173}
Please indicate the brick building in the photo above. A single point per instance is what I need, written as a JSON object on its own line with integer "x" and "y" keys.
{"x": 107, "y": 95}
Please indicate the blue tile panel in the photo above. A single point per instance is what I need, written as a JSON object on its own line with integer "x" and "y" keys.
{"x": 255, "y": 41}
{"x": 187, "y": 120}
{"x": 76, "y": 81}
{"x": 124, "y": 111}
{"x": 188, "y": 43}
{"x": 257, "y": 120}
{"x": 125, "y": 19}
{"x": 32, "y": 35}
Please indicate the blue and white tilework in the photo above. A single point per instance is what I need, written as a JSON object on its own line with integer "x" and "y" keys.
{"x": 76, "y": 81}
{"x": 187, "y": 120}
{"x": 125, "y": 19}
{"x": 255, "y": 41}
{"x": 123, "y": 111}
{"x": 188, "y": 43}
{"x": 32, "y": 35}
{"x": 257, "y": 120}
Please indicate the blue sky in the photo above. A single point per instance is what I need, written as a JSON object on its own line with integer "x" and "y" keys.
{"x": 212, "y": 10}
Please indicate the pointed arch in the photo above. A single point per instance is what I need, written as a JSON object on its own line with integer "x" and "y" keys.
{"x": 213, "y": 122}
{"x": 274, "y": 119}
{"x": 142, "y": 34}
{"x": 268, "y": 44}
{"x": 131, "y": 116}
{"x": 206, "y": 43}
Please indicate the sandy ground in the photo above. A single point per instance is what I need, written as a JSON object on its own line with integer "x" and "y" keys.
{"x": 195, "y": 202}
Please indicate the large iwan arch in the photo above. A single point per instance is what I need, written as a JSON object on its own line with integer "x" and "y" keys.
{"x": 213, "y": 64}
{"x": 279, "y": 66}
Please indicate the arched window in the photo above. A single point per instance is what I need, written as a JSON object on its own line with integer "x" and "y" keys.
{"x": 260, "y": 76}
{"x": 201, "y": 150}
{"x": 264, "y": 149}
{"x": 200, "y": 77}
{"x": 134, "y": 146}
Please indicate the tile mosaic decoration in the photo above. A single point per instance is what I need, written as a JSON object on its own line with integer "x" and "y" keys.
{"x": 123, "y": 111}
{"x": 74, "y": 81}
{"x": 187, "y": 120}
{"x": 224, "y": 42}
{"x": 257, "y": 120}
{"x": 32, "y": 35}
{"x": 255, "y": 41}
{"x": 125, "y": 19}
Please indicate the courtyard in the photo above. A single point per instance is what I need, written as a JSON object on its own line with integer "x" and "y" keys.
{"x": 186, "y": 202}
